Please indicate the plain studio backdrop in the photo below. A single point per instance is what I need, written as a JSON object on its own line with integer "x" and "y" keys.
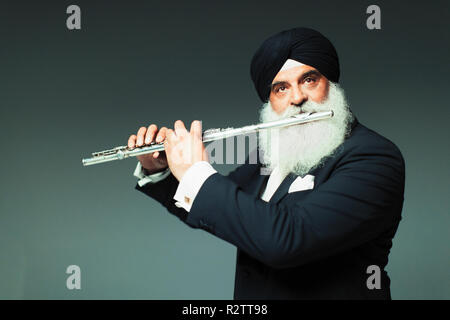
{"x": 67, "y": 93}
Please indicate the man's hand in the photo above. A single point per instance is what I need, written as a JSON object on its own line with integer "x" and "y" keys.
{"x": 184, "y": 148}
{"x": 152, "y": 162}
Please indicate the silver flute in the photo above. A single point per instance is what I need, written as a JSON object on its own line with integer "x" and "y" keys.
{"x": 122, "y": 152}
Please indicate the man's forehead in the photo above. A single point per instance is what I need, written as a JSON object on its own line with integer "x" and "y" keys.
{"x": 290, "y": 63}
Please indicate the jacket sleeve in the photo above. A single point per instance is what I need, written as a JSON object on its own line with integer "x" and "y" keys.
{"x": 164, "y": 190}
{"x": 361, "y": 199}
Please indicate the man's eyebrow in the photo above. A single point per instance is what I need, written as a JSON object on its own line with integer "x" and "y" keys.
{"x": 303, "y": 76}
{"x": 278, "y": 82}
{"x": 310, "y": 73}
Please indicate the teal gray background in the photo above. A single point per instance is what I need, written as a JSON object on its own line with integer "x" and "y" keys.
{"x": 64, "y": 94}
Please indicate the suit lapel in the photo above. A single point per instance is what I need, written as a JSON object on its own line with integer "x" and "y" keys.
{"x": 283, "y": 188}
{"x": 258, "y": 182}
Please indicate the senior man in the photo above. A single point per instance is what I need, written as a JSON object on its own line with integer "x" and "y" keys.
{"x": 321, "y": 225}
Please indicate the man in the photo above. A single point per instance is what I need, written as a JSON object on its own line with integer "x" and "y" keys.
{"x": 331, "y": 205}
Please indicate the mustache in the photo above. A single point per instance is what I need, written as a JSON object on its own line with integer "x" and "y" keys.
{"x": 307, "y": 106}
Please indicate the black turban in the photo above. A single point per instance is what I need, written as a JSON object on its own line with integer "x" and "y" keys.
{"x": 301, "y": 44}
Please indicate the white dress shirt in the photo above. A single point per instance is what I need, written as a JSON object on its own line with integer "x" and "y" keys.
{"x": 275, "y": 179}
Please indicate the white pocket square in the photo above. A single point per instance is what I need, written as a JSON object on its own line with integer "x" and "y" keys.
{"x": 300, "y": 184}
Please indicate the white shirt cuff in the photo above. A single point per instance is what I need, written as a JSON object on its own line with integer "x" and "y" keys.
{"x": 191, "y": 183}
{"x": 153, "y": 178}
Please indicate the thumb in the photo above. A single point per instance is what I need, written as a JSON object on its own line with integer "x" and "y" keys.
{"x": 196, "y": 129}
{"x": 205, "y": 156}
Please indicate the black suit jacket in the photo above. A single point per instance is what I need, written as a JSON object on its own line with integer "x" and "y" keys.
{"x": 312, "y": 244}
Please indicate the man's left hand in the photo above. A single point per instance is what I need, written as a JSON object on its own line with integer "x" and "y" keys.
{"x": 184, "y": 148}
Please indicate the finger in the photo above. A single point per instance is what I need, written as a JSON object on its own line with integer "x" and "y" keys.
{"x": 161, "y": 134}
{"x": 180, "y": 129}
{"x": 150, "y": 133}
{"x": 140, "y": 136}
{"x": 170, "y": 136}
{"x": 196, "y": 132}
{"x": 196, "y": 129}
{"x": 156, "y": 154}
{"x": 132, "y": 141}
{"x": 168, "y": 142}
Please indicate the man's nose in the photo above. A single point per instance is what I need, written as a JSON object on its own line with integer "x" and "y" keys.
{"x": 298, "y": 97}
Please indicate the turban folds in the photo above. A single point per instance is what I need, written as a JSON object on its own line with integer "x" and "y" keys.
{"x": 301, "y": 44}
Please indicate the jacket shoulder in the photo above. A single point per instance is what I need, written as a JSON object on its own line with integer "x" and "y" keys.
{"x": 367, "y": 141}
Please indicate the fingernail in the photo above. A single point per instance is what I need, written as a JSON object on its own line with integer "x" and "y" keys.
{"x": 158, "y": 139}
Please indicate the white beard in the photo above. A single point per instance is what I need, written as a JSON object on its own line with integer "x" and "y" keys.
{"x": 302, "y": 148}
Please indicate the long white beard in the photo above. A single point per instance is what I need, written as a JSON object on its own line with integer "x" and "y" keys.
{"x": 301, "y": 148}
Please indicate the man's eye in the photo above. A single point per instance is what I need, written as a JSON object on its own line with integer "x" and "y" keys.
{"x": 310, "y": 80}
{"x": 282, "y": 88}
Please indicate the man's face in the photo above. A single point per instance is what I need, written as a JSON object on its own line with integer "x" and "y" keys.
{"x": 296, "y": 85}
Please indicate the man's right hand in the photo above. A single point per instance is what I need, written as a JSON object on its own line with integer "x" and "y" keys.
{"x": 152, "y": 162}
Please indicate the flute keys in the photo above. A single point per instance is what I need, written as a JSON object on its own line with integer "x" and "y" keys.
{"x": 109, "y": 151}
